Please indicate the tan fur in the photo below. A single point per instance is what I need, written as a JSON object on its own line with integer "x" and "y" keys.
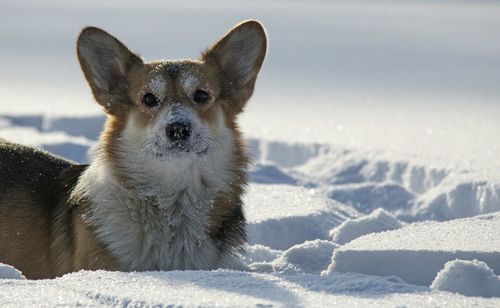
{"x": 26, "y": 232}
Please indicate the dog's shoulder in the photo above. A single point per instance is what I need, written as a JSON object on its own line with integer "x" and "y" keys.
{"x": 26, "y": 172}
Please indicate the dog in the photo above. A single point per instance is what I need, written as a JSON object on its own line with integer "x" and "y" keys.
{"x": 164, "y": 190}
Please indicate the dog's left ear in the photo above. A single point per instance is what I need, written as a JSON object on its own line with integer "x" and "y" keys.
{"x": 238, "y": 57}
{"x": 106, "y": 64}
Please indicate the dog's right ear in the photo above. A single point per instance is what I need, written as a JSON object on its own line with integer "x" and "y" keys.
{"x": 239, "y": 56}
{"x": 106, "y": 64}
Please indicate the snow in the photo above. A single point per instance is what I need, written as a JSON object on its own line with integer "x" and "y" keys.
{"x": 470, "y": 278}
{"x": 308, "y": 257}
{"x": 408, "y": 188}
{"x": 223, "y": 288}
{"x": 291, "y": 214}
{"x": 157, "y": 85}
{"x": 417, "y": 252}
{"x": 374, "y": 132}
{"x": 9, "y": 272}
{"x": 378, "y": 221}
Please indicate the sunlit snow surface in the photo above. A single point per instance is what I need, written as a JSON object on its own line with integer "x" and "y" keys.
{"x": 368, "y": 116}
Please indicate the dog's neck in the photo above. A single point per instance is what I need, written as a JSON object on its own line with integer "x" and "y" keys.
{"x": 154, "y": 214}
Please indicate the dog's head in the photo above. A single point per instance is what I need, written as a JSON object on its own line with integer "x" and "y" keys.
{"x": 175, "y": 108}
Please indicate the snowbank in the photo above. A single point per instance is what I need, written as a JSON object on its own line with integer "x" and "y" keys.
{"x": 377, "y": 221}
{"x": 417, "y": 252}
{"x": 470, "y": 278}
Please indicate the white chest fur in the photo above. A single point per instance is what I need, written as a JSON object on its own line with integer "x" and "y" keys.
{"x": 149, "y": 230}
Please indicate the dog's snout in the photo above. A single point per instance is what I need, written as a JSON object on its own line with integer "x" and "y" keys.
{"x": 178, "y": 131}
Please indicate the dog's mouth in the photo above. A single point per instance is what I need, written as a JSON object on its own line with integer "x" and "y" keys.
{"x": 179, "y": 150}
{"x": 186, "y": 148}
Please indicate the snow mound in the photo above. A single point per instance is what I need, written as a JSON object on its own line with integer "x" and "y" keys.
{"x": 378, "y": 221}
{"x": 258, "y": 254}
{"x": 470, "y": 278}
{"x": 9, "y": 272}
{"x": 280, "y": 216}
{"x": 309, "y": 257}
{"x": 417, "y": 252}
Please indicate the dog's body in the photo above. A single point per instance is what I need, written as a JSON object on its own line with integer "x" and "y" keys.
{"x": 164, "y": 190}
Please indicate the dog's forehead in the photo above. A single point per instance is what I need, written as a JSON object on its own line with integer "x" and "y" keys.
{"x": 166, "y": 78}
{"x": 176, "y": 69}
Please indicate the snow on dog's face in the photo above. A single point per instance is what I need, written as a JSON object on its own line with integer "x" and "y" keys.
{"x": 172, "y": 109}
{"x": 175, "y": 111}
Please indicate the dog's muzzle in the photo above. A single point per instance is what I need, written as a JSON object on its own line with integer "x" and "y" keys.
{"x": 178, "y": 132}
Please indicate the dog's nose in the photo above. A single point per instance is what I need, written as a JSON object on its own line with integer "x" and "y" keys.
{"x": 178, "y": 131}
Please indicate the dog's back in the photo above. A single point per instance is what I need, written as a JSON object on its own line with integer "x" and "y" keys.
{"x": 30, "y": 181}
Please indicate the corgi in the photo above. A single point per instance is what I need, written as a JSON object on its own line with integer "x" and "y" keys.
{"x": 164, "y": 190}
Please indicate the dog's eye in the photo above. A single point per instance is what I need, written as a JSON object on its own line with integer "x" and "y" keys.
{"x": 200, "y": 97}
{"x": 150, "y": 101}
